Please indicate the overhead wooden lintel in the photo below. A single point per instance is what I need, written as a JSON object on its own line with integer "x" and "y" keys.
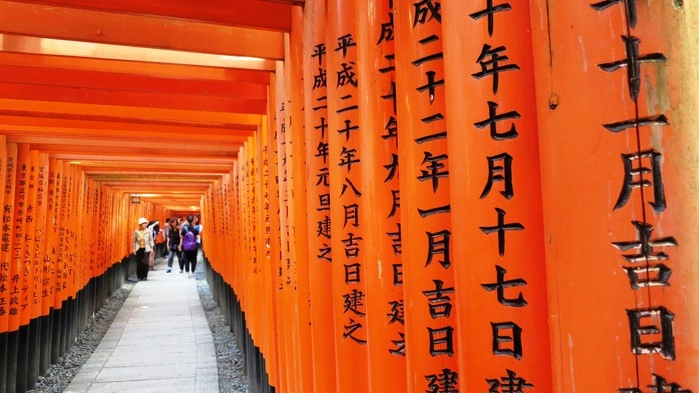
{"x": 38, "y": 123}
{"x": 138, "y": 30}
{"x": 114, "y": 113}
{"x": 140, "y": 68}
{"x": 144, "y": 152}
{"x": 87, "y": 80}
{"x": 233, "y": 103}
{"x": 262, "y": 14}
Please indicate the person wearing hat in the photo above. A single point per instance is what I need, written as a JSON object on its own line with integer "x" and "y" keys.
{"x": 143, "y": 245}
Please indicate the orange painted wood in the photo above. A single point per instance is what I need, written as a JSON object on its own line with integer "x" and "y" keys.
{"x": 137, "y": 30}
{"x": 89, "y": 242}
{"x": 495, "y": 189}
{"x": 56, "y": 173}
{"x": 287, "y": 366}
{"x": 248, "y": 298}
{"x": 21, "y": 275}
{"x": 94, "y": 251}
{"x": 245, "y": 245}
{"x": 258, "y": 228}
{"x": 28, "y": 131}
{"x": 253, "y": 276}
{"x": 8, "y": 234}
{"x": 147, "y": 115}
{"x": 65, "y": 284}
{"x": 134, "y": 68}
{"x": 81, "y": 236}
{"x": 97, "y": 143}
{"x": 261, "y": 271}
{"x": 43, "y": 237}
{"x": 36, "y": 218}
{"x": 318, "y": 197}
{"x": 131, "y": 82}
{"x": 5, "y": 268}
{"x": 70, "y": 240}
{"x": 33, "y": 123}
{"x": 381, "y": 214}
{"x": 253, "y": 13}
{"x": 344, "y": 163}
{"x": 265, "y": 275}
{"x": 233, "y": 103}
{"x": 616, "y": 170}
{"x": 428, "y": 274}
{"x": 298, "y": 211}
{"x": 271, "y": 261}
{"x": 229, "y": 273}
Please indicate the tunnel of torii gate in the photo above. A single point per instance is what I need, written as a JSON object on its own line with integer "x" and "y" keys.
{"x": 398, "y": 195}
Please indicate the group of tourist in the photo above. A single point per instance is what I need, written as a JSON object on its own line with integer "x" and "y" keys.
{"x": 183, "y": 239}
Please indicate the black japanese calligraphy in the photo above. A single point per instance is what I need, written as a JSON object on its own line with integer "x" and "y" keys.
{"x": 353, "y": 273}
{"x": 507, "y": 332}
{"x": 438, "y": 303}
{"x": 501, "y": 228}
{"x": 441, "y": 341}
{"x": 490, "y": 61}
{"x": 510, "y": 383}
{"x": 350, "y": 329}
{"x": 499, "y": 170}
{"x": 494, "y": 118}
{"x": 354, "y": 302}
{"x": 652, "y": 332}
{"x": 632, "y": 63}
{"x": 489, "y": 12}
{"x": 660, "y": 385}
{"x": 438, "y": 243}
{"x": 645, "y": 271}
{"x": 426, "y": 10}
{"x": 501, "y": 284}
{"x": 634, "y": 178}
{"x": 444, "y": 382}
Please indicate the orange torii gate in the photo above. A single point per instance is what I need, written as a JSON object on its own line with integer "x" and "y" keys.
{"x": 553, "y": 230}
{"x": 54, "y": 272}
{"x": 445, "y": 197}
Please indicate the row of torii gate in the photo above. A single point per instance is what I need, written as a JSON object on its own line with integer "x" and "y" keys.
{"x": 491, "y": 196}
{"x": 473, "y": 197}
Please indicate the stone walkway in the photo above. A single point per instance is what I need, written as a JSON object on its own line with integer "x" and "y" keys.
{"x": 159, "y": 342}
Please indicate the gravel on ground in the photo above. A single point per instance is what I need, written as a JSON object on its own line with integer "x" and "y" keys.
{"x": 231, "y": 378}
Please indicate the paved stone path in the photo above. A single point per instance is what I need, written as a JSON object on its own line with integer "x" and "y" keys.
{"x": 159, "y": 342}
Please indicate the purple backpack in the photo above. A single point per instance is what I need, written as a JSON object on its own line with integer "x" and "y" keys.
{"x": 189, "y": 243}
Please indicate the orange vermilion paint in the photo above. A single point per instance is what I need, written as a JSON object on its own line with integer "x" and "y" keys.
{"x": 345, "y": 193}
{"x": 4, "y": 261}
{"x": 56, "y": 166}
{"x": 296, "y": 156}
{"x": 319, "y": 238}
{"x": 615, "y": 173}
{"x": 496, "y": 199}
{"x": 283, "y": 272}
{"x": 51, "y": 237}
{"x": 21, "y": 274}
{"x": 271, "y": 240}
{"x": 38, "y": 173}
{"x": 428, "y": 274}
{"x": 381, "y": 213}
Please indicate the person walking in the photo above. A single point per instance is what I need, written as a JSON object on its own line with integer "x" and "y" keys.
{"x": 197, "y": 225}
{"x": 196, "y": 222}
{"x": 173, "y": 244}
{"x": 166, "y": 234}
{"x": 154, "y": 228}
{"x": 143, "y": 245}
{"x": 188, "y": 234}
